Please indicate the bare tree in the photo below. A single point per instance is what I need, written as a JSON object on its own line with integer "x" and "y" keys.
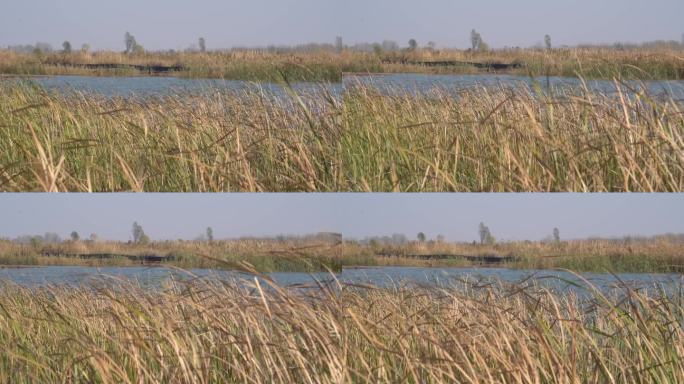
{"x": 85, "y": 48}
{"x": 132, "y": 45}
{"x": 486, "y": 235}
{"x": 556, "y": 235}
{"x": 475, "y": 40}
{"x": 547, "y": 42}
{"x": 210, "y": 235}
{"x": 339, "y": 45}
{"x": 130, "y": 42}
{"x": 202, "y": 45}
{"x": 483, "y": 232}
{"x": 139, "y": 235}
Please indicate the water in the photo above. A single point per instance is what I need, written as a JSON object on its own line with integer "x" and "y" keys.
{"x": 383, "y": 277}
{"x": 424, "y": 84}
{"x": 389, "y": 83}
{"x": 159, "y": 86}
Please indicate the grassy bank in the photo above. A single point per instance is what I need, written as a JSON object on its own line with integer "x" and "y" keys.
{"x": 482, "y": 140}
{"x": 263, "y": 256}
{"x": 250, "y": 66}
{"x": 214, "y": 332}
{"x": 329, "y": 66}
{"x": 658, "y": 254}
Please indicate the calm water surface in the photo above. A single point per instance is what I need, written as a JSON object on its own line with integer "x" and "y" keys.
{"x": 385, "y": 276}
{"x": 390, "y": 83}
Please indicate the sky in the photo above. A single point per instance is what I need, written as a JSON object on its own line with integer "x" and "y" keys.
{"x": 456, "y": 216}
{"x": 176, "y": 24}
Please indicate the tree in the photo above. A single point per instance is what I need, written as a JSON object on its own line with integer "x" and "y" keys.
{"x": 399, "y": 239}
{"x": 485, "y": 236}
{"x": 547, "y": 42}
{"x": 440, "y": 239}
{"x": 210, "y": 234}
{"x": 36, "y": 241}
{"x": 44, "y": 47}
{"x": 75, "y": 236}
{"x": 41, "y": 48}
{"x": 477, "y": 43}
{"x": 413, "y": 44}
{"x": 85, "y": 48}
{"x": 421, "y": 237}
{"x": 475, "y": 40}
{"x": 202, "y": 45}
{"x": 390, "y": 46}
{"x": 93, "y": 237}
{"x": 144, "y": 239}
{"x": 52, "y": 238}
{"x": 556, "y": 235}
{"x": 131, "y": 43}
{"x": 139, "y": 235}
{"x": 138, "y": 49}
{"x": 339, "y": 44}
{"x": 66, "y": 47}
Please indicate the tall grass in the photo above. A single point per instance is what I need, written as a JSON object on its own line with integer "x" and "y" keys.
{"x": 658, "y": 254}
{"x": 321, "y": 65}
{"x": 206, "y": 332}
{"x": 482, "y": 140}
{"x": 252, "y": 66}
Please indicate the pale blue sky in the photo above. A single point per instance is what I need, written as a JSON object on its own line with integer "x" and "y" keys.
{"x": 162, "y": 24}
{"x": 509, "y": 216}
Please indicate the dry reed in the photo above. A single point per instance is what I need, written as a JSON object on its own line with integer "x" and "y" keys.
{"x": 206, "y": 332}
{"x": 483, "y": 139}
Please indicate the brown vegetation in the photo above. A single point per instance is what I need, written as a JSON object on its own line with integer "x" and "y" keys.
{"x": 258, "y": 332}
{"x": 658, "y": 254}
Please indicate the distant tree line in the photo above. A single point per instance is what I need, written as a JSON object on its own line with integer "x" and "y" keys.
{"x": 484, "y": 234}
{"x": 477, "y": 43}
{"x": 40, "y": 48}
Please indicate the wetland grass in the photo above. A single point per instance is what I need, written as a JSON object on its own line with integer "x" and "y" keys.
{"x": 661, "y": 254}
{"x": 326, "y": 66}
{"x": 212, "y": 332}
{"x": 483, "y": 139}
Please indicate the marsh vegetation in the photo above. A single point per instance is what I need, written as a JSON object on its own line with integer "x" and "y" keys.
{"x": 208, "y": 331}
{"x": 630, "y": 254}
{"x": 482, "y": 139}
{"x": 321, "y": 64}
